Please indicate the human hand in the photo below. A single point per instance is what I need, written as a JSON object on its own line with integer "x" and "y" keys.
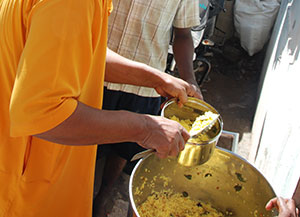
{"x": 286, "y": 207}
{"x": 194, "y": 83}
{"x": 165, "y": 136}
{"x": 178, "y": 88}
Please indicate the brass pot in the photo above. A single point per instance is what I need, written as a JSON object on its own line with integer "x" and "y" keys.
{"x": 227, "y": 181}
{"x": 195, "y": 153}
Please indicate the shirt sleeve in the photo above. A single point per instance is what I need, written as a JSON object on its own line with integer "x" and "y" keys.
{"x": 53, "y": 65}
{"x": 187, "y": 14}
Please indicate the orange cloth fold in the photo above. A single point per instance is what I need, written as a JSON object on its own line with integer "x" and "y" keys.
{"x": 52, "y": 55}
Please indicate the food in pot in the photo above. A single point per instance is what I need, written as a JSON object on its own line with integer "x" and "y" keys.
{"x": 203, "y": 121}
{"x": 200, "y": 122}
{"x": 169, "y": 204}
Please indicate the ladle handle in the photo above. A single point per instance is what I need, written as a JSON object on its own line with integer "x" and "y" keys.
{"x": 142, "y": 154}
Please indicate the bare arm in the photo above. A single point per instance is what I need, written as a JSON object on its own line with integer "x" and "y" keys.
{"x": 183, "y": 49}
{"x": 122, "y": 70}
{"x": 125, "y": 71}
{"x": 88, "y": 126}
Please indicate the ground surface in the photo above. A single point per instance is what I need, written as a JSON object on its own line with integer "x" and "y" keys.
{"x": 231, "y": 88}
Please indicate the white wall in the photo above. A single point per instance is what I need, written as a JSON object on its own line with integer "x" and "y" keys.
{"x": 276, "y": 129}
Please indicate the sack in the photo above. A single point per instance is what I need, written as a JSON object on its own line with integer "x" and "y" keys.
{"x": 253, "y": 21}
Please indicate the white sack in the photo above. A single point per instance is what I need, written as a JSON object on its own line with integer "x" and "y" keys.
{"x": 253, "y": 21}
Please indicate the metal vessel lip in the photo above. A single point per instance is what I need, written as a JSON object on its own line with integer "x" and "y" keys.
{"x": 130, "y": 185}
{"x": 192, "y": 99}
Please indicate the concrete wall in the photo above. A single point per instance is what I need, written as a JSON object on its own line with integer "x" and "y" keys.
{"x": 275, "y": 134}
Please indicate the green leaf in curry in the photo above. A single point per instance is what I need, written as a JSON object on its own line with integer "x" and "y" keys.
{"x": 240, "y": 177}
{"x": 185, "y": 194}
{"x": 189, "y": 177}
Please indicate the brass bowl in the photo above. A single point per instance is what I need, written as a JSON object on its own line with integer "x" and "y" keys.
{"x": 227, "y": 181}
{"x": 195, "y": 153}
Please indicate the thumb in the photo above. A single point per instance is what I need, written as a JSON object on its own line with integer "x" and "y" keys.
{"x": 272, "y": 204}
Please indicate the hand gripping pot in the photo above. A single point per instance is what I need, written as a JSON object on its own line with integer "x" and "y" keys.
{"x": 200, "y": 152}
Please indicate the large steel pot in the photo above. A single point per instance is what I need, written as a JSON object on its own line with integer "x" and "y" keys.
{"x": 195, "y": 153}
{"x": 227, "y": 181}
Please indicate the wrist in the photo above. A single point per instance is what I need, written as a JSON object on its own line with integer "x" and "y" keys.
{"x": 143, "y": 128}
{"x": 154, "y": 77}
{"x": 138, "y": 124}
{"x": 188, "y": 77}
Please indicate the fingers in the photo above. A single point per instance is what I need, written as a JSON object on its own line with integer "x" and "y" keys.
{"x": 161, "y": 155}
{"x": 286, "y": 207}
{"x": 179, "y": 89}
{"x": 174, "y": 148}
{"x": 197, "y": 92}
{"x": 166, "y": 136}
{"x": 185, "y": 135}
{"x": 180, "y": 142}
{"x": 183, "y": 97}
{"x": 191, "y": 90}
{"x": 286, "y": 204}
{"x": 272, "y": 204}
{"x": 281, "y": 203}
{"x": 291, "y": 207}
{"x": 291, "y": 204}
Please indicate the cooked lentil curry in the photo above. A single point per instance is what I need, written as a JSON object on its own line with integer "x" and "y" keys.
{"x": 200, "y": 122}
{"x": 168, "y": 204}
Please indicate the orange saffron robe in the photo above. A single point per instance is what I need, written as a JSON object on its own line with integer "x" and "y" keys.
{"x": 52, "y": 55}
